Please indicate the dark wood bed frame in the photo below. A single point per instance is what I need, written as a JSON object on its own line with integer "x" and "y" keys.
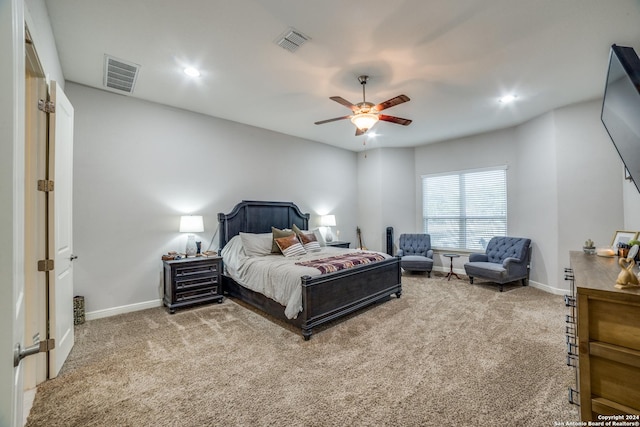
{"x": 324, "y": 298}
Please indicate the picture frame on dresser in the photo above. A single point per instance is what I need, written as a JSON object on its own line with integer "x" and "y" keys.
{"x": 623, "y": 237}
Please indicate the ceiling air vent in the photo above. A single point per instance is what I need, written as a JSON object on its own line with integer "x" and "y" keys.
{"x": 292, "y": 39}
{"x": 120, "y": 75}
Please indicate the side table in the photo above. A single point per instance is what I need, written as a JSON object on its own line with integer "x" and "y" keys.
{"x": 451, "y": 273}
{"x": 191, "y": 281}
{"x": 338, "y": 244}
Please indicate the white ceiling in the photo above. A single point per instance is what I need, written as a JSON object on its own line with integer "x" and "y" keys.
{"x": 453, "y": 58}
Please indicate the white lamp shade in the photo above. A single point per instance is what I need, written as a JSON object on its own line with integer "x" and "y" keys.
{"x": 328, "y": 221}
{"x": 191, "y": 224}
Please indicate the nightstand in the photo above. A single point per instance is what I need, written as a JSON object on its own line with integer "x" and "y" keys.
{"x": 338, "y": 244}
{"x": 191, "y": 281}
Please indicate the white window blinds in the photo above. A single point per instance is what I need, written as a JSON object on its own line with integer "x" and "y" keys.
{"x": 464, "y": 210}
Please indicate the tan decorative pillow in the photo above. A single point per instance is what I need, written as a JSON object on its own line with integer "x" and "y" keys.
{"x": 290, "y": 246}
{"x": 277, "y": 233}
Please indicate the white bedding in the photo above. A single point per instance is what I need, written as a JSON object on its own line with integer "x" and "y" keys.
{"x": 275, "y": 276}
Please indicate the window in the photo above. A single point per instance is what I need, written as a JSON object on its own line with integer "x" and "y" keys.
{"x": 464, "y": 210}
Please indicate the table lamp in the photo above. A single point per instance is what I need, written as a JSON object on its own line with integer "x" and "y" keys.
{"x": 191, "y": 224}
{"x": 328, "y": 221}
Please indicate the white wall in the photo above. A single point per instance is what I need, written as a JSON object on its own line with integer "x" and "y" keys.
{"x": 564, "y": 183}
{"x": 479, "y": 151}
{"x": 386, "y": 189}
{"x": 631, "y": 198}
{"x": 589, "y": 180}
{"x": 138, "y": 166}
{"x": 534, "y": 213}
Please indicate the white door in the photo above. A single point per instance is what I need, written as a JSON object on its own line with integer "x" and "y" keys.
{"x": 11, "y": 209}
{"x": 60, "y": 221}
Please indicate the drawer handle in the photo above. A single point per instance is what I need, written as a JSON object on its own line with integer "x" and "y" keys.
{"x": 569, "y": 301}
{"x": 572, "y": 349}
{"x": 574, "y": 396}
{"x": 570, "y": 330}
{"x": 572, "y": 361}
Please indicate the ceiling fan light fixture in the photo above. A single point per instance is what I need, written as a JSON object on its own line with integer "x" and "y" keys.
{"x": 364, "y": 121}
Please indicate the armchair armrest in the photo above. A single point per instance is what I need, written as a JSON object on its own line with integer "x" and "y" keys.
{"x": 516, "y": 266}
{"x": 430, "y": 253}
{"x": 510, "y": 260}
{"x": 400, "y": 252}
{"x": 476, "y": 257}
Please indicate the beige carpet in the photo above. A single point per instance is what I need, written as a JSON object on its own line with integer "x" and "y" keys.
{"x": 444, "y": 354}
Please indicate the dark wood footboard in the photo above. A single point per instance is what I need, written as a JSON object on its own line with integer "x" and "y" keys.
{"x": 331, "y": 296}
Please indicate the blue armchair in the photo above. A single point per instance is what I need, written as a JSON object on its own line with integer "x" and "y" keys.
{"x": 415, "y": 252}
{"x": 506, "y": 260}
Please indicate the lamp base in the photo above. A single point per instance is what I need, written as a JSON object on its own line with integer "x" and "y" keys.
{"x": 191, "y": 248}
{"x": 328, "y": 235}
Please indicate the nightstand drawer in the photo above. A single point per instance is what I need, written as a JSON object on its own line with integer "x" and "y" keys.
{"x": 196, "y": 282}
{"x": 187, "y": 270}
{"x": 196, "y": 294}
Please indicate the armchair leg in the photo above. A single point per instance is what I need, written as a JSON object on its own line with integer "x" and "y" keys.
{"x": 500, "y": 287}
{"x": 471, "y": 280}
{"x": 428, "y": 274}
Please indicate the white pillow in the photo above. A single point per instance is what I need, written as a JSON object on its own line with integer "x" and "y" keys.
{"x": 257, "y": 244}
{"x": 319, "y": 237}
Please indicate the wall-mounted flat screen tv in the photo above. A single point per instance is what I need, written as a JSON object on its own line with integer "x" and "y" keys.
{"x": 621, "y": 107}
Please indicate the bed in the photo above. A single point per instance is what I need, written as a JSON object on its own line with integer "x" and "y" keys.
{"x": 325, "y": 297}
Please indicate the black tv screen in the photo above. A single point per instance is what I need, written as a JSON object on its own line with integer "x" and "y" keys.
{"x": 621, "y": 107}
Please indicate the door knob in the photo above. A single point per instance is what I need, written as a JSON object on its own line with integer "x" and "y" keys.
{"x": 38, "y": 346}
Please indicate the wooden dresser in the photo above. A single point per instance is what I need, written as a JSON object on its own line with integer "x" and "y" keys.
{"x": 608, "y": 321}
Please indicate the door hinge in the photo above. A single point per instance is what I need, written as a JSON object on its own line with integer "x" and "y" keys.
{"x": 48, "y": 107}
{"x": 45, "y": 185}
{"x": 45, "y": 265}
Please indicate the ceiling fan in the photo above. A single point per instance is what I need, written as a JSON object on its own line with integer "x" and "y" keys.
{"x": 365, "y": 114}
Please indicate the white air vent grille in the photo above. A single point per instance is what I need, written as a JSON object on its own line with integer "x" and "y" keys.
{"x": 120, "y": 75}
{"x": 292, "y": 39}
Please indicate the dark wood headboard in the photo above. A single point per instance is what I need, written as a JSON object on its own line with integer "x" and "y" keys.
{"x": 250, "y": 216}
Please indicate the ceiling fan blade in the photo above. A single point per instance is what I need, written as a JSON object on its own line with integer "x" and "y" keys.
{"x": 332, "y": 120}
{"x": 341, "y": 100}
{"x": 391, "y": 102}
{"x": 397, "y": 120}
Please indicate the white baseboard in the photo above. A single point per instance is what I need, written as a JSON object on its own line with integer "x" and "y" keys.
{"x": 537, "y": 285}
{"x": 547, "y": 288}
{"x": 108, "y": 312}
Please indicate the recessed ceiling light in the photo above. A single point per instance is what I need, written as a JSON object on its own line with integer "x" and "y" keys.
{"x": 507, "y": 99}
{"x": 190, "y": 71}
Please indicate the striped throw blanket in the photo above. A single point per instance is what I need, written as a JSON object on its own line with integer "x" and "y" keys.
{"x": 341, "y": 262}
